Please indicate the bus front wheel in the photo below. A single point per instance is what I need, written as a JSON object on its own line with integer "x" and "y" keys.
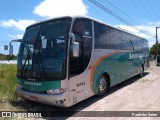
{"x": 102, "y": 87}
{"x": 141, "y": 71}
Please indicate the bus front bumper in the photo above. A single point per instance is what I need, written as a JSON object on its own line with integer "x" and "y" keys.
{"x": 55, "y": 100}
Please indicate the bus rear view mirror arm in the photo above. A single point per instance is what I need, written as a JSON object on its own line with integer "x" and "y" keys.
{"x": 72, "y": 36}
{"x": 11, "y": 46}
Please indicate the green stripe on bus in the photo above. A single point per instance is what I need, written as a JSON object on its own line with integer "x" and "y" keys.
{"x": 39, "y": 86}
{"x": 114, "y": 65}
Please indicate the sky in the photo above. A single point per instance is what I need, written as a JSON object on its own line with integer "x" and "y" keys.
{"x": 16, "y": 15}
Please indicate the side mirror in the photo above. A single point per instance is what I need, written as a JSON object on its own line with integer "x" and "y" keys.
{"x": 11, "y": 46}
{"x": 5, "y": 47}
{"x": 74, "y": 45}
{"x": 75, "y": 49}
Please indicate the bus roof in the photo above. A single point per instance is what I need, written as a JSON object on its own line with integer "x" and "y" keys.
{"x": 81, "y": 16}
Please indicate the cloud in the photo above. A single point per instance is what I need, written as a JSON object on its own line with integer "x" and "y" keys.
{"x": 56, "y": 8}
{"x": 16, "y": 36}
{"x": 151, "y": 30}
{"x": 154, "y": 24}
{"x": 150, "y": 35}
{"x": 19, "y": 25}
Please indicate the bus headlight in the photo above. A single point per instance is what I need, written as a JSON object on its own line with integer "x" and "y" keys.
{"x": 56, "y": 91}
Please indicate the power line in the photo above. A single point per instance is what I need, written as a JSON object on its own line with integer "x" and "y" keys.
{"x": 142, "y": 13}
{"x": 118, "y": 16}
{"x": 126, "y": 15}
{"x": 121, "y": 11}
{"x": 111, "y": 13}
{"x": 152, "y": 9}
{"x": 147, "y": 10}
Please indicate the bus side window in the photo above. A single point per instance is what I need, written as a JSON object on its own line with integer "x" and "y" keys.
{"x": 145, "y": 44}
{"x": 127, "y": 45}
{"x": 134, "y": 42}
{"x": 116, "y": 37}
{"x": 102, "y": 36}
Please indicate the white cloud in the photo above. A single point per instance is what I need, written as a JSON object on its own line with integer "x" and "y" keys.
{"x": 154, "y": 24}
{"x": 151, "y": 31}
{"x": 20, "y": 24}
{"x": 16, "y": 36}
{"x": 56, "y": 8}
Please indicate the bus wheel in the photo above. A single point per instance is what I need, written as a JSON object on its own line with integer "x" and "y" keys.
{"x": 102, "y": 87}
{"x": 141, "y": 71}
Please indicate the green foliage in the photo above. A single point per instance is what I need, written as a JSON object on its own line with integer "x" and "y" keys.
{"x": 7, "y": 82}
{"x": 153, "y": 49}
{"x": 7, "y": 57}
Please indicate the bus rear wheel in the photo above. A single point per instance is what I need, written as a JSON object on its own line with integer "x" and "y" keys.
{"x": 102, "y": 86}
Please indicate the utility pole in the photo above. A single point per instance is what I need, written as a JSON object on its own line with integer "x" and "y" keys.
{"x": 157, "y": 40}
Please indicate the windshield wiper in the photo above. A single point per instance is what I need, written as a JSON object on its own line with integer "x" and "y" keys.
{"x": 42, "y": 66}
{"x": 27, "y": 58}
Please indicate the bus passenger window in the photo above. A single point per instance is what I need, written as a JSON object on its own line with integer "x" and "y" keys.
{"x": 102, "y": 36}
{"x": 127, "y": 45}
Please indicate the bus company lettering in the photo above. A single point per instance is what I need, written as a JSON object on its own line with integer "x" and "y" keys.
{"x": 136, "y": 55}
{"x": 33, "y": 83}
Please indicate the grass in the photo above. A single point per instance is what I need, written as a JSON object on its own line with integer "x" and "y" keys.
{"x": 7, "y": 82}
{"x": 9, "y": 100}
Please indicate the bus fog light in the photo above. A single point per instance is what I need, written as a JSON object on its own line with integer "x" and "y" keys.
{"x": 56, "y": 91}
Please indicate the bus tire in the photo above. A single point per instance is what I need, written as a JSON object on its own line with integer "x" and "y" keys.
{"x": 141, "y": 74}
{"x": 102, "y": 86}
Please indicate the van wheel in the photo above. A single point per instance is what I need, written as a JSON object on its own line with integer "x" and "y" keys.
{"x": 141, "y": 71}
{"x": 102, "y": 86}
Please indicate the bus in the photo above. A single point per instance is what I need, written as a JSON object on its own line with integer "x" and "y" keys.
{"x": 68, "y": 59}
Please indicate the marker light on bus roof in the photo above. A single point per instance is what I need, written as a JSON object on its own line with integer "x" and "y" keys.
{"x": 56, "y": 91}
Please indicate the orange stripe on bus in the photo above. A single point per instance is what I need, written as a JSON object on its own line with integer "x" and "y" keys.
{"x": 96, "y": 64}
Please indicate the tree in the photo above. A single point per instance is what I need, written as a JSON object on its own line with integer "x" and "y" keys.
{"x": 7, "y": 57}
{"x": 153, "y": 49}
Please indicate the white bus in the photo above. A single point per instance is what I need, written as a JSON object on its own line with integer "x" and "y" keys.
{"x": 65, "y": 60}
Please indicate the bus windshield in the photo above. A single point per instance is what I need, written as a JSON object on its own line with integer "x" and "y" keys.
{"x": 43, "y": 51}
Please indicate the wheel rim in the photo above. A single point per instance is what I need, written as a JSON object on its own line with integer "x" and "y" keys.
{"x": 102, "y": 85}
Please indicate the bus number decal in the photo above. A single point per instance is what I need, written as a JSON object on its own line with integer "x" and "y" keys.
{"x": 80, "y": 84}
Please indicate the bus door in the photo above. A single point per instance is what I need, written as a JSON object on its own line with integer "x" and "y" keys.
{"x": 78, "y": 66}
